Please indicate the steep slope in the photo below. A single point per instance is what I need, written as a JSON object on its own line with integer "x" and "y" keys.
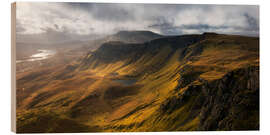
{"x": 190, "y": 82}
{"x": 140, "y": 54}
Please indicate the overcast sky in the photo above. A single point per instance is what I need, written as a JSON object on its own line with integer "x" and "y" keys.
{"x": 90, "y": 19}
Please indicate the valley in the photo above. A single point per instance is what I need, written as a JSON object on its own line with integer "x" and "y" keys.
{"x": 147, "y": 83}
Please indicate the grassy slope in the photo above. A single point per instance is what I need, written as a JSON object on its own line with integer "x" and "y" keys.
{"x": 81, "y": 97}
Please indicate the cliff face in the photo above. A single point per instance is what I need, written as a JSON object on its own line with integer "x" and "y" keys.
{"x": 229, "y": 103}
{"x": 232, "y": 102}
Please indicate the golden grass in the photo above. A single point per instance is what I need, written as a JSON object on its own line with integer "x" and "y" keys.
{"x": 140, "y": 111}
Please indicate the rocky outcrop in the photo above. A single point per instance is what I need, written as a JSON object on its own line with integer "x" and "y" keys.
{"x": 230, "y": 103}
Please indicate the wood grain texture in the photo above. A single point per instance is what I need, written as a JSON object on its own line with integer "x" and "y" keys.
{"x": 13, "y": 67}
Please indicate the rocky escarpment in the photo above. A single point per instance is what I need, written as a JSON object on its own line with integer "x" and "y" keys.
{"x": 229, "y": 103}
{"x": 113, "y": 51}
{"x": 232, "y": 102}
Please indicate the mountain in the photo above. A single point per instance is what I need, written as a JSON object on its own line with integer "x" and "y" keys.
{"x": 126, "y": 37}
{"x": 134, "y": 36}
{"x": 177, "y": 83}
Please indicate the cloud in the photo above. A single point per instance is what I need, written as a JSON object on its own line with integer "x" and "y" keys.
{"x": 169, "y": 19}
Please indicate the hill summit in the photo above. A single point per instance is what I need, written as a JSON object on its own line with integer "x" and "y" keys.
{"x": 134, "y": 36}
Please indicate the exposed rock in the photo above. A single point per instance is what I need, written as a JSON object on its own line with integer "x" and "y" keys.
{"x": 230, "y": 100}
{"x": 230, "y": 103}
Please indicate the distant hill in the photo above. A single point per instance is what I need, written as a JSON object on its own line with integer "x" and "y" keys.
{"x": 134, "y": 36}
{"x": 126, "y": 37}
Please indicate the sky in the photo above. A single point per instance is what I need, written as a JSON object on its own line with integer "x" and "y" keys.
{"x": 81, "y": 20}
